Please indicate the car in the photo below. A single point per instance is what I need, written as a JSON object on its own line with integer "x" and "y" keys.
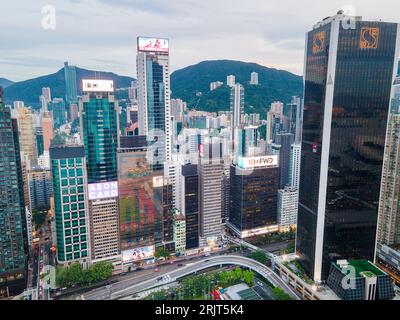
{"x": 180, "y": 264}
{"x": 160, "y": 278}
{"x": 156, "y": 270}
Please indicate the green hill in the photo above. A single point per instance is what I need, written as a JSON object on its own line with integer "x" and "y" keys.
{"x": 5, "y": 82}
{"x": 30, "y": 90}
{"x": 192, "y": 84}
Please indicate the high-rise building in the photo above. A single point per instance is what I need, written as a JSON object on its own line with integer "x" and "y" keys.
{"x": 230, "y": 80}
{"x": 288, "y": 205}
{"x": 294, "y": 170}
{"x": 47, "y": 126}
{"x": 40, "y": 188}
{"x": 284, "y": 141}
{"x": 210, "y": 170}
{"x": 388, "y": 231}
{"x": 39, "y": 141}
{"x": 68, "y": 167}
{"x": 59, "y": 112}
{"x": 348, "y": 75}
{"x": 215, "y": 85}
{"x": 70, "y": 84}
{"x": 237, "y": 105}
{"x": 12, "y": 212}
{"x": 140, "y": 217}
{"x": 154, "y": 96}
{"x": 27, "y": 139}
{"x": 254, "y": 78}
{"x": 190, "y": 207}
{"x": 253, "y": 196}
{"x": 179, "y": 227}
{"x": 99, "y": 129}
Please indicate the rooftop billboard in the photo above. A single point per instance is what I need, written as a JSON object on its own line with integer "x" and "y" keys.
{"x": 153, "y": 44}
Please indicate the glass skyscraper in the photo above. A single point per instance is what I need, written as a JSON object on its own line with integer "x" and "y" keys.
{"x": 349, "y": 71}
{"x": 71, "y": 90}
{"x": 12, "y": 210}
{"x": 154, "y": 97}
{"x": 99, "y": 126}
{"x": 100, "y": 130}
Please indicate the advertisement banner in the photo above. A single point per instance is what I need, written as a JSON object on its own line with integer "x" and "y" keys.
{"x": 138, "y": 254}
{"x": 153, "y": 44}
{"x": 104, "y": 190}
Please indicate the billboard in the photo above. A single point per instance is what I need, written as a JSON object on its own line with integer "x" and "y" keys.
{"x": 97, "y": 86}
{"x": 153, "y": 44}
{"x": 255, "y": 162}
{"x": 104, "y": 190}
{"x": 158, "y": 181}
{"x": 138, "y": 254}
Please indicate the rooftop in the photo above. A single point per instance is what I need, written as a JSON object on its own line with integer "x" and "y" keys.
{"x": 363, "y": 268}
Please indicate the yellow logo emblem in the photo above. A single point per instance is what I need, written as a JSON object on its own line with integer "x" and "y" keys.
{"x": 369, "y": 38}
{"x": 319, "y": 42}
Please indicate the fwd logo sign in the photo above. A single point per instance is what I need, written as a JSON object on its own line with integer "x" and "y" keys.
{"x": 254, "y": 162}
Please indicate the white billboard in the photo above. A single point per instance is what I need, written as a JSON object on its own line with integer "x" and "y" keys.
{"x": 97, "y": 86}
{"x": 153, "y": 44}
{"x": 137, "y": 254}
{"x": 255, "y": 162}
{"x": 158, "y": 181}
{"x": 103, "y": 190}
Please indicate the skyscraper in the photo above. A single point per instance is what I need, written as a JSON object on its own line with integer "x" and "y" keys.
{"x": 27, "y": 139}
{"x": 99, "y": 129}
{"x": 387, "y": 253}
{"x": 210, "y": 170}
{"x": 70, "y": 84}
{"x": 154, "y": 96}
{"x": 68, "y": 167}
{"x": 190, "y": 207}
{"x": 348, "y": 78}
{"x": 12, "y": 213}
{"x": 237, "y": 105}
{"x": 40, "y": 188}
{"x": 253, "y": 196}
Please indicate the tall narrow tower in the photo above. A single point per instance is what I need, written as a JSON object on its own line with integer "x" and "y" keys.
{"x": 154, "y": 96}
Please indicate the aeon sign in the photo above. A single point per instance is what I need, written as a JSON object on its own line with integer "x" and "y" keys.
{"x": 254, "y": 162}
{"x": 103, "y": 190}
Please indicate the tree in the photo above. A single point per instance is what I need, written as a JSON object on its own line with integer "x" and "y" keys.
{"x": 248, "y": 278}
{"x": 279, "y": 294}
{"x": 39, "y": 215}
{"x": 162, "y": 253}
{"x": 259, "y": 256}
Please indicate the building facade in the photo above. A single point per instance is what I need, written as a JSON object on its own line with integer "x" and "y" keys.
{"x": 100, "y": 130}
{"x": 348, "y": 78}
{"x": 68, "y": 167}
{"x": 13, "y": 268}
{"x": 253, "y": 199}
{"x": 154, "y": 96}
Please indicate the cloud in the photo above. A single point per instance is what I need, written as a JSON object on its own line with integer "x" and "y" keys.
{"x": 102, "y": 34}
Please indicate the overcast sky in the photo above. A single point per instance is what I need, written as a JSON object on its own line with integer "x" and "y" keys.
{"x": 101, "y": 34}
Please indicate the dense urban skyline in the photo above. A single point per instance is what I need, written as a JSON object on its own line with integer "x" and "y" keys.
{"x": 270, "y": 35}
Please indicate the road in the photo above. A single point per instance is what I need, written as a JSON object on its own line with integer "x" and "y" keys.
{"x": 120, "y": 290}
{"x": 136, "y": 277}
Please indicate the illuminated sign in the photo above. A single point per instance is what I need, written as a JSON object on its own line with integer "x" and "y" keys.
{"x": 153, "y": 44}
{"x": 138, "y": 254}
{"x": 369, "y": 38}
{"x": 319, "y": 42}
{"x": 158, "y": 182}
{"x": 97, "y": 86}
{"x": 103, "y": 190}
{"x": 255, "y": 162}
